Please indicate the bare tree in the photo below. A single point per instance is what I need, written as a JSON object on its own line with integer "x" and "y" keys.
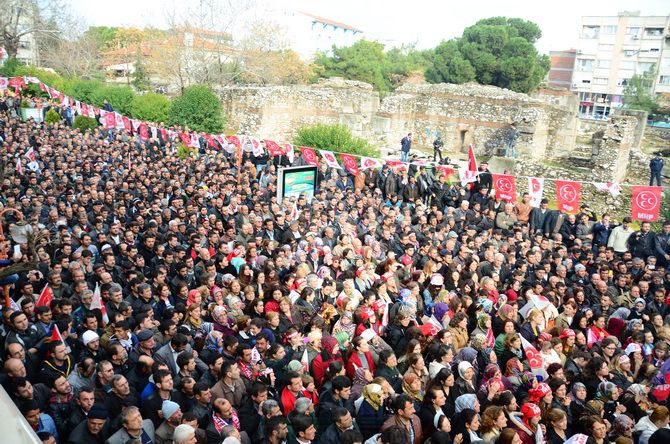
{"x": 21, "y": 18}
{"x": 75, "y": 58}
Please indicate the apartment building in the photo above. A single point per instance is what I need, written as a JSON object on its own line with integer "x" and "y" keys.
{"x": 610, "y": 51}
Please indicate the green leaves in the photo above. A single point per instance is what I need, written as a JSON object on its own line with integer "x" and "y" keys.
{"x": 637, "y": 94}
{"x": 150, "y": 107}
{"x": 197, "y": 108}
{"x": 496, "y": 51}
{"x": 334, "y": 138}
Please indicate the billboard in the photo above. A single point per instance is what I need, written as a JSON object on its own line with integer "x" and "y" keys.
{"x": 294, "y": 181}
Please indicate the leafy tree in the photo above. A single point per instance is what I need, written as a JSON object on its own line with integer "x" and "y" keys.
{"x": 198, "y": 108}
{"x": 50, "y": 78}
{"x": 140, "y": 80}
{"x": 85, "y": 123}
{"x": 83, "y": 90}
{"x": 334, "y": 138}
{"x": 363, "y": 61}
{"x": 150, "y": 107}
{"x": 104, "y": 36}
{"x": 120, "y": 97}
{"x": 52, "y": 117}
{"x": 495, "y": 51}
{"x": 638, "y": 95}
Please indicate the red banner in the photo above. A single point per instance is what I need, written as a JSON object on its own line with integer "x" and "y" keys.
{"x": 505, "y": 187}
{"x": 350, "y": 163}
{"x": 126, "y": 123}
{"x": 110, "y": 121}
{"x": 144, "y": 132}
{"x": 568, "y": 195}
{"x": 309, "y": 155}
{"x": 646, "y": 203}
{"x": 273, "y": 148}
{"x": 210, "y": 140}
{"x": 234, "y": 140}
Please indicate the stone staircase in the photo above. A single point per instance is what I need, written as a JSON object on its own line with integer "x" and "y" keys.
{"x": 579, "y": 158}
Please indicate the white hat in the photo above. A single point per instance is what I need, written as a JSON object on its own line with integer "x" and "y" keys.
{"x": 89, "y": 336}
{"x": 437, "y": 280}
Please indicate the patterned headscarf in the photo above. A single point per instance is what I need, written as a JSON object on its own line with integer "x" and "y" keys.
{"x": 373, "y": 395}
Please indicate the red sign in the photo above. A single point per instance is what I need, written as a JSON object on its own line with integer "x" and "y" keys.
{"x": 350, "y": 163}
{"x": 568, "y": 195}
{"x": 144, "y": 132}
{"x": 126, "y": 123}
{"x": 505, "y": 187}
{"x": 110, "y": 121}
{"x": 646, "y": 203}
{"x": 234, "y": 140}
{"x": 273, "y": 148}
{"x": 309, "y": 155}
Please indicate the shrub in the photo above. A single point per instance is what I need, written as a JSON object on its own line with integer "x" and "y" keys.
{"x": 184, "y": 152}
{"x": 334, "y": 138}
{"x": 198, "y": 108}
{"x": 49, "y": 78}
{"x": 52, "y": 117}
{"x": 120, "y": 97}
{"x": 150, "y": 107}
{"x": 82, "y": 90}
{"x": 85, "y": 123}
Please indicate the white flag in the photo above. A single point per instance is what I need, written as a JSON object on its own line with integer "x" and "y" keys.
{"x": 468, "y": 176}
{"x": 577, "y": 439}
{"x": 305, "y": 360}
{"x": 370, "y": 162}
{"x": 535, "y": 190}
{"x": 96, "y": 302}
{"x": 330, "y": 159}
{"x": 608, "y": 187}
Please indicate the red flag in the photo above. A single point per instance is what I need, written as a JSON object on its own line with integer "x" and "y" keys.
{"x": 350, "y": 163}
{"x": 309, "y": 155}
{"x": 429, "y": 329}
{"x": 110, "y": 121}
{"x": 445, "y": 170}
{"x": 234, "y": 140}
{"x": 568, "y": 195}
{"x": 273, "y": 148}
{"x": 55, "y": 334}
{"x": 126, "y": 124}
{"x": 210, "y": 140}
{"x": 46, "y": 296}
{"x": 535, "y": 359}
{"x": 43, "y": 87}
{"x": 164, "y": 134}
{"x": 84, "y": 109}
{"x": 472, "y": 161}
{"x": 646, "y": 203}
{"x": 505, "y": 187}
{"x": 19, "y": 166}
{"x": 144, "y": 132}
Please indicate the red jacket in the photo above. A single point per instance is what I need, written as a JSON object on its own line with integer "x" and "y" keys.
{"x": 319, "y": 367}
{"x": 355, "y": 362}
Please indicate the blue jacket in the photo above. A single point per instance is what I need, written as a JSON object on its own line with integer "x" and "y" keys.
{"x": 405, "y": 144}
{"x": 47, "y": 424}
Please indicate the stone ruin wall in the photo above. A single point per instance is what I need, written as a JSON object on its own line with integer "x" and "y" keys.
{"x": 463, "y": 114}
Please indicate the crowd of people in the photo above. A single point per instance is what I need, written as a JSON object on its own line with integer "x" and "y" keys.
{"x": 185, "y": 303}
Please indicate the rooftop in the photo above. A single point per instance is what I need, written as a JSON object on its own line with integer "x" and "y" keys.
{"x": 330, "y": 22}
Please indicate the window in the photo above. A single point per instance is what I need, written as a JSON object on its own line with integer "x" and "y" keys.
{"x": 654, "y": 49}
{"x": 586, "y": 81}
{"x": 24, "y": 45}
{"x": 644, "y": 66}
{"x": 664, "y": 80}
{"x": 585, "y": 65}
{"x": 653, "y": 32}
{"x": 632, "y": 31}
{"x": 609, "y": 29}
{"x": 600, "y": 80}
{"x": 590, "y": 32}
{"x": 622, "y": 82}
{"x": 627, "y": 65}
{"x": 604, "y": 63}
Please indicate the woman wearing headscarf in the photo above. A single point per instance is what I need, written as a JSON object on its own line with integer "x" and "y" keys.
{"x": 220, "y": 321}
{"x": 330, "y": 351}
{"x": 467, "y": 401}
{"x": 370, "y": 414}
{"x": 608, "y": 394}
{"x": 465, "y": 383}
{"x": 636, "y": 402}
{"x": 622, "y": 427}
{"x": 578, "y": 404}
{"x": 527, "y": 424}
{"x": 509, "y": 327}
{"x": 620, "y": 371}
{"x": 441, "y": 311}
{"x": 411, "y": 386}
{"x": 361, "y": 378}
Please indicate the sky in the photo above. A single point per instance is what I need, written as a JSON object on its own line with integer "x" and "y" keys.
{"x": 421, "y": 22}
